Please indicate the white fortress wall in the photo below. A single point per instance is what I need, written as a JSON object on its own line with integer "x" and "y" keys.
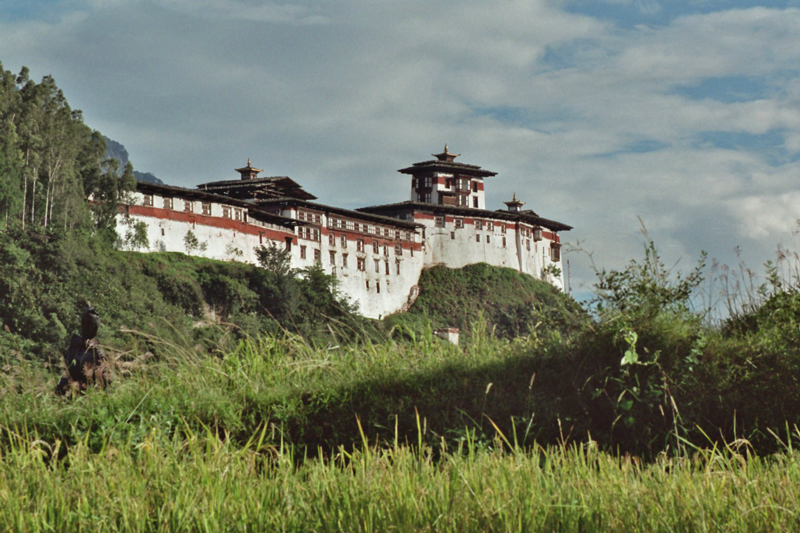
{"x": 170, "y": 219}
{"x": 377, "y": 265}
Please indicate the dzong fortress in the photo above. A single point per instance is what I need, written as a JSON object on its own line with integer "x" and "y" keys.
{"x": 377, "y": 253}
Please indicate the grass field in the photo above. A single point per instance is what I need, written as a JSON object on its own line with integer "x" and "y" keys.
{"x": 279, "y": 435}
{"x": 201, "y": 482}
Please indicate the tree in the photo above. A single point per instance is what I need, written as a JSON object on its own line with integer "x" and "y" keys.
{"x": 192, "y": 243}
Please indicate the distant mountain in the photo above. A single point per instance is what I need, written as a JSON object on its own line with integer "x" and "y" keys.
{"x": 115, "y": 150}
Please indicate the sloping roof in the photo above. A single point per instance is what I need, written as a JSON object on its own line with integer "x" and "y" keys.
{"x": 274, "y": 186}
{"x": 450, "y": 167}
{"x": 372, "y": 217}
{"x": 523, "y": 216}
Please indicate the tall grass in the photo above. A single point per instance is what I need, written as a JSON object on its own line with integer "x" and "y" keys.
{"x": 197, "y": 481}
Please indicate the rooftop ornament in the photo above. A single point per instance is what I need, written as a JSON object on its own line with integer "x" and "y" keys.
{"x": 514, "y": 205}
{"x": 249, "y": 172}
{"x": 446, "y": 155}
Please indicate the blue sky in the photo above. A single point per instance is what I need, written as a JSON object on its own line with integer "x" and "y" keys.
{"x": 596, "y": 113}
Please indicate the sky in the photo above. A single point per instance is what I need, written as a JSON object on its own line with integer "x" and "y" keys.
{"x": 681, "y": 116}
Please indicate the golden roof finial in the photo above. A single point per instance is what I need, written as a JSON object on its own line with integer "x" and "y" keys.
{"x": 445, "y": 148}
{"x": 248, "y": 162}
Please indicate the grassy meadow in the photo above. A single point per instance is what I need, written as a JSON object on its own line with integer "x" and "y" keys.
{"x": 282, "y": 435}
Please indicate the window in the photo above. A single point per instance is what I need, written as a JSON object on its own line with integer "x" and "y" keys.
{"x": 459, "y": 223}
{"x": 260, "y": 238}
{"x": 367, "y": 284}
{"x": 207, "y": 208}
{"x": 386, "y": 232}
{"x": 302, "y": 252}
{"x": 386, "y": 250}
{"x": 397, "y": 265}
{"x": 398, "y": 249}
{"x": 490, "y": 226}
{"x": 408, "y": 235}
{"x": 148, "y": 200}
{"x": 397, "y": 235}
{"x": 162, "y": 232}
{"x": 477, "y": 238}
{"x": 428, "y": 182}
{"x": 167, "y": 203}
{"x": 488, "y": 239}
{"x": 360, "y": 263}
{"x": 187, "y": 206}
{"x": 502, "y": 228}
{"x": 333, "y": 257}
{"x": 331, "y": 239}
{"x": 478, "y": 224}
{"x": 475, "y": 201}
{"x": 555, "y": 251}
{"x": 425, "y": 197}
{"x": 344, "y": 260}
{"x": 386, "y": 270}
{"x": 504, "y": 242}
{"x": 378, "y": 287}
{"x": 377, "y": 266}
{"x": 439, "y": 221}
{"x": 360, "y": 245}
{"x": 344, "y": 241}
{"x": 411, "y": 251}
{"x": 375, "y": 248}
{"x": 315, "y": 234}
{"x": 226, "y": 211}
{"x": 317, "y": 219}
{"x": 474, "y": 186}
{"x": 317, "y": 255}
{"x": 237, "y": 214}
{"x": 453, "y": 235}
{"x": 528, "y": 244}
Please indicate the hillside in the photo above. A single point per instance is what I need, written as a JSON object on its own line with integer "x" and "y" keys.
{"x": 510, "y": 302}
{"x": 46, "y": 280}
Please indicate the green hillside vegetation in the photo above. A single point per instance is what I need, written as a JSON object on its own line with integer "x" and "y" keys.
{"x": 46, "y": 280}
{"x": 509, "y": 302}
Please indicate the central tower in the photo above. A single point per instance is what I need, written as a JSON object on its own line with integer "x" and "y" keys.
{"x": 442, "y": 181}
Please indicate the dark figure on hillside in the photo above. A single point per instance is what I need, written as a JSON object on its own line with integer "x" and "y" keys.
{"x": 84, "y": 357}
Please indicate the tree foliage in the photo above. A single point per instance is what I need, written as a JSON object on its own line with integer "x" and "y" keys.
{"x": 51, "y": 163}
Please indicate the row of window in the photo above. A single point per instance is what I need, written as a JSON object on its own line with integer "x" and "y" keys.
{"x": 363, "y": 227}
{"x": 490, "y": 225}
{"x": 462, "y": 200}
{"x": 361, "y": 263}
{"x": 458, "y": 222}
{"x": 459, "y": 184}
{"x": 308, "y": 216}
{"x": 235, "y": 213}
{"x": 311, "y": 234}
{"x": 360, "y": 246}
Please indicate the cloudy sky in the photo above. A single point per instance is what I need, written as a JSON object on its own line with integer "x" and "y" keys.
{"x": 595, "y": 112}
